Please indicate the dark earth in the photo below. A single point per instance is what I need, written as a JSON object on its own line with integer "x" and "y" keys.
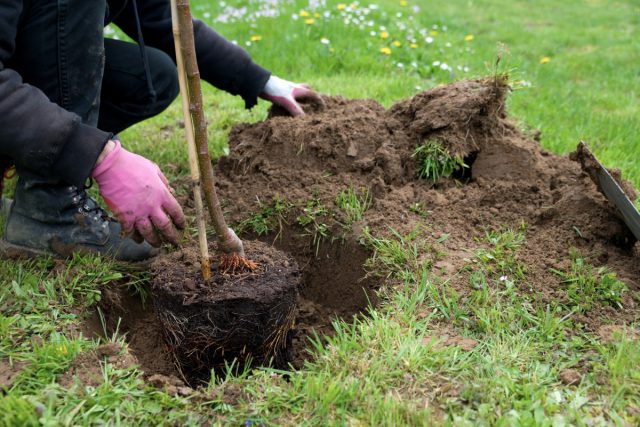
{"x": 510, "y": 181}
{"x": 243, "y": 316}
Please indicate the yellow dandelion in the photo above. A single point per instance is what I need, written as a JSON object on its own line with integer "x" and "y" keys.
{"x": 384, "y": 34}
{"x": 396, "y": 43}
{"x": 413, "y": 46}
{"x": 342, "y": 6}
{"x": 404, "y": 3}
{"x": 316, "y": 15}
{"x": 433, "y": 33}
{"x": 385, "y": 51}
{"x": 309, "y": 21}
{"x": 256, "y": 38}
{"x": 353, "y": 6}
{"x": 545, "y": 59}
{"x": 468, "y": 37}
{"x": 304, "y": 13}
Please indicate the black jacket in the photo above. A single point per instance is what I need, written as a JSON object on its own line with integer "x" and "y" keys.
{"x": 41, "y": 136}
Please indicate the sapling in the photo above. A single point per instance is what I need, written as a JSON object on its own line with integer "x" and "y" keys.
{"x": 232, "y": 257}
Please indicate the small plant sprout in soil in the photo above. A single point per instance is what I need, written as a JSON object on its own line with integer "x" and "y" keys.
{"x": 354, "y": 203}
{"x": 268, "y": 218}
{"x": 587, "y": 285}
{"x": 312, "y": 219}
{"x": 435, "y": 162}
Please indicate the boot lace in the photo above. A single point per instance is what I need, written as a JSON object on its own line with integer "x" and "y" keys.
{"x": 87, "y": 206}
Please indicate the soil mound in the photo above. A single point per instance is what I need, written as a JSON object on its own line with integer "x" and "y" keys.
{"x": 510, "y": 180}
{"x": 461, "y": 116}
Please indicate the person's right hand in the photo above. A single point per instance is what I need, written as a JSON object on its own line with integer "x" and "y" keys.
{"x": 139, "y": 195}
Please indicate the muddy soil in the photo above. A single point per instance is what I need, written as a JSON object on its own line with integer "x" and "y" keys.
{"x": 510, "y": 180}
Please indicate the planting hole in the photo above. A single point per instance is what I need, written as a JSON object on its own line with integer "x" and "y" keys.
{"x": 333, "y": 286}
{"x": 123, "y": 312}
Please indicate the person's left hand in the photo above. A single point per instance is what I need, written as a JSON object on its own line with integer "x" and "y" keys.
{"x": 287, "y": 94}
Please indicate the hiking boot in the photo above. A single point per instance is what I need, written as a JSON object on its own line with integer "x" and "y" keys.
{"x": 52, "y": 219}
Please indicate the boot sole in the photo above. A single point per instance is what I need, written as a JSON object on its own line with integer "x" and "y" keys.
{"x": 11, "y": 251}
{"x": 18, "y": 252}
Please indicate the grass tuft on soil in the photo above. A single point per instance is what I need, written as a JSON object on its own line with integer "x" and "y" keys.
{"x": 434, "y": 162}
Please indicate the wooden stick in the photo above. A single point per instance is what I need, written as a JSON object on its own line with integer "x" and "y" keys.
{"x": 205, "y": 263}
{"x": 227, "y": 239}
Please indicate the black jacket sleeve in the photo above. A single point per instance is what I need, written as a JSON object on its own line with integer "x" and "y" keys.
{"x": 221, "y": 63}
{"x": 36, "y": 133}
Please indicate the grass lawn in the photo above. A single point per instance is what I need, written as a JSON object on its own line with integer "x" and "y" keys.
{"x": 574, "y": 67}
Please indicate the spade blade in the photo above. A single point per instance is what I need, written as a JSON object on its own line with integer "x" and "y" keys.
{"x": 610, "y": 188}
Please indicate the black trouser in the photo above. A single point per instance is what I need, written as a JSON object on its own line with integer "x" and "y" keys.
{"x": 60, "y": 49}
{"x": 126, "y": 98}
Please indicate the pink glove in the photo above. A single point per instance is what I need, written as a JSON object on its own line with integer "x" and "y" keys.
{"x": 140, "y": 197}
{"x": 286, "y": 94}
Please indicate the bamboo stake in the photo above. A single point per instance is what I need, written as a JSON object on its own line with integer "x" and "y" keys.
{"x": 191, "y": 146}
{"x": 228, "y": 241}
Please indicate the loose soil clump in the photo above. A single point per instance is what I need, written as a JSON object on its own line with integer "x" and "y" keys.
{"x": 246, "y": 316}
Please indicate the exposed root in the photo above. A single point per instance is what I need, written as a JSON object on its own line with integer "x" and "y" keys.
{"x": 277, "y": 341}
{"x": 234, "y": 263}
{"x": 197, "y": 350}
